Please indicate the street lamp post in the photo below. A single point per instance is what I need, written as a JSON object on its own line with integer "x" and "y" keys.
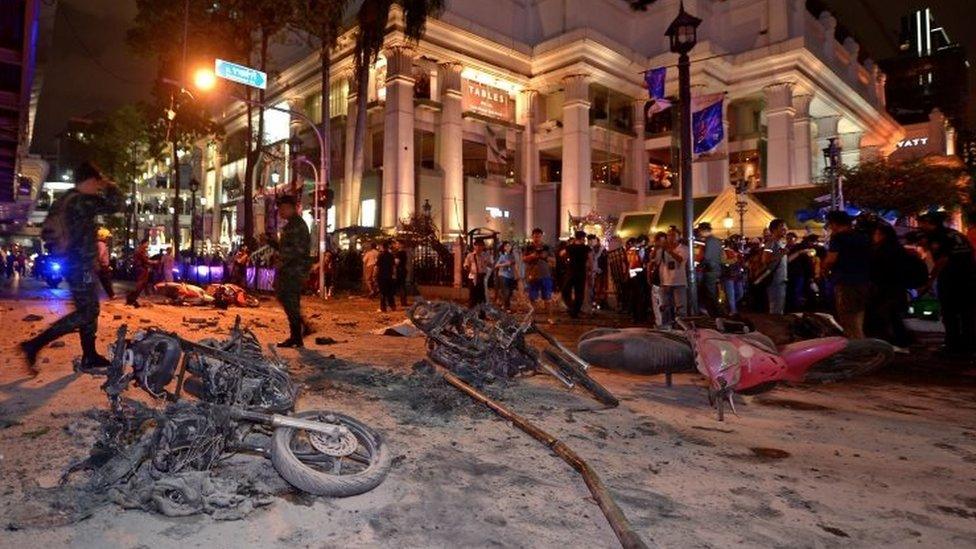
{"x": 682, "y": 34}
{"x": 832, "y": 162}
{"x": 194, "y": 187}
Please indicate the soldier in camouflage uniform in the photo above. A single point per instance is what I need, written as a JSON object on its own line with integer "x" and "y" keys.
{"x": 92, "y": 196}
{"x": 292, "y": 267}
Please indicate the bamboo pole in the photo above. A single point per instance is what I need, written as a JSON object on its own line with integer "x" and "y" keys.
{"x": 628, "y": 537}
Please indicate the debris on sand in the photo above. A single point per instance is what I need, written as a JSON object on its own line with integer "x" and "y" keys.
{"x": 33, "y": 318}
{"x": 404, "y": 328}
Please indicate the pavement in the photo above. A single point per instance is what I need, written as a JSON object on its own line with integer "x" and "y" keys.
{"x": 883, "y": 460}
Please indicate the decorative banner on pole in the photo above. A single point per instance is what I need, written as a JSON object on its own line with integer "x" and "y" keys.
{"x": 655, "y": 88}
{"x": 707, "y": 127}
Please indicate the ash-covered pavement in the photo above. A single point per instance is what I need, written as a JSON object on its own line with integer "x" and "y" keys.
{"x": 885, "y": 460}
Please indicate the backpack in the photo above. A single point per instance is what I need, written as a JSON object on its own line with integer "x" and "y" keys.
{"x": 55, "y": 232}
{"x": 916, "y": 272}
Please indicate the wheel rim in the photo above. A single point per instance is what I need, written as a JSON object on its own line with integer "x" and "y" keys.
{"x": 355, "y": 452}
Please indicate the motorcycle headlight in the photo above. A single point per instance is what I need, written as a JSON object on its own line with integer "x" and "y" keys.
{"x": 55, "y": 266}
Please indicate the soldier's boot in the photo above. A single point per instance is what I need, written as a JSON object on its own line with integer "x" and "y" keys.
{"x": 90, "y": 359}
{"x": 295, "y": 339}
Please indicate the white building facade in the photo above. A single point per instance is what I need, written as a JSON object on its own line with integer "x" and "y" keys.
{"x": 515, "y": 114}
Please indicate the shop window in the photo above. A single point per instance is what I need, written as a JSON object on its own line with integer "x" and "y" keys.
{"x": 608, "y": 169}
{"x": 313, "y": 107}
{"x": 550, "y": 169}
{"x": 474, "y": 159}
{"x": 660, "y": 122}
{"x": 423, "y": 149}
{"x": 376, "y": 149}
{"x": 610, "y": 109}
{"x": 745, "y": 165}
{"x": 338, "y": 98}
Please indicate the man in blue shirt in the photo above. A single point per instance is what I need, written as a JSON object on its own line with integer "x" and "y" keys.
{"x": 847, "y": 263}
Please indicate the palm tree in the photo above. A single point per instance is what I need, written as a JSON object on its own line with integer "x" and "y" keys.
{"x": 373, "y": 17}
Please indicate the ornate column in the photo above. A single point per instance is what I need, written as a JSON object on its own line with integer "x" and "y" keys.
{"x": 826, "y": 128}
{"x": 779, "y": 134}
{"x": 638, "y": 154}
{"x": 351, "y": 186}
{"x": 575, "y": 193}
{"x": 802, "y": 135}
{"x": 398, "y": 169}
{"x": 527, "y": 104}
{"x": 450, "y": 157}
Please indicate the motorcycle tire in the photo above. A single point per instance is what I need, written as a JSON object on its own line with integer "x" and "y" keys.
{"x": 578, "y": 374}
{"x": 53, "y": 283}
{"x": 859, "y": 357}
{"x": 314, "y": 481}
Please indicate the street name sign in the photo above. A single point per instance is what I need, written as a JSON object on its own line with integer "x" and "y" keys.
{"x": 241, "y": 74}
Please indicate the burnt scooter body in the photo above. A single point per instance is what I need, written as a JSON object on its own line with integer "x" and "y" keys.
{"x": 240, "y": 392}
{"x": 736, "y": 363}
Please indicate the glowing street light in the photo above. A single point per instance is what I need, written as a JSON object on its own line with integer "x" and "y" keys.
{"x": 204, "y": 79}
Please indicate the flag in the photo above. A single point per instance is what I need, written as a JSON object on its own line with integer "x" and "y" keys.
{"x": 655, "y": 88}
{"x": 707, "y": 129}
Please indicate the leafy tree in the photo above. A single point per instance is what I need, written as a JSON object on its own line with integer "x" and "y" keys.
{"x": 373, "y": 17}
{"x": 121, "y": 144}
{"x": 908, "y": 187}
{"x": 321, "y": 21}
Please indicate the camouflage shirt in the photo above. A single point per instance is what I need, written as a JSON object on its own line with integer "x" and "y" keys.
{"x": 80, "y": 214}
{"x": 293, "y": 248}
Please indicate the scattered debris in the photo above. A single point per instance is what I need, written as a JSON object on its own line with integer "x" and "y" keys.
{"x": 404, "y": 328}
{"x": 326, "y": 340}
{"x": 56, "y": 344}
{"x": 35, "y": 433}
{"x": 33, "y": 318}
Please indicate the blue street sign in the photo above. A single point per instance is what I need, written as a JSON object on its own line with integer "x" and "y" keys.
{"x": 241, "y": 74}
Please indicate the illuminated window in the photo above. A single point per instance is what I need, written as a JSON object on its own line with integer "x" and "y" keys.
{"x": 367, "y": 213}
{"x": 330, "y": 219}
{"x": 497, "y": 213}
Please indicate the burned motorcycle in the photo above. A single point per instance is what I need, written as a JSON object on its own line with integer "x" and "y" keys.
{"x": 244, "y": 404}
{"x": 485, "y": 343}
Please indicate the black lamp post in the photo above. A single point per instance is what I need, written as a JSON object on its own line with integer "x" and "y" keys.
{"x": 194, "y": 187}
{"x": 831, "y": 163}
{"x": 683, "y": 35}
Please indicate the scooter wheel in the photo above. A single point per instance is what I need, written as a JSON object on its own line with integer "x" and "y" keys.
{"x": 859, "y": 357}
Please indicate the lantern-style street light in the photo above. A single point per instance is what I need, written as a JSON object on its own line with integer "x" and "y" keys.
{"x": 683, "y": 35}
{"x": 832, "y": 162}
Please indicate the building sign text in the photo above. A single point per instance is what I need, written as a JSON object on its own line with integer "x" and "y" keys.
{"x": 486, "y": 100}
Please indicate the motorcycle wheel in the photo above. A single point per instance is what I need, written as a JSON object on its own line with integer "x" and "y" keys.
{"x": 861, "y": 356}
{"x": 299, "y": 462}
{"x": 53, "y": 282}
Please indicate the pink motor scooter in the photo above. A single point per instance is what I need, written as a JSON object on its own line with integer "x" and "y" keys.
{"x": 743, "y": 363}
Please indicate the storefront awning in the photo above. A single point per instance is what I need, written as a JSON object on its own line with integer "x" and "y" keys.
{"x": 785, "y": 203}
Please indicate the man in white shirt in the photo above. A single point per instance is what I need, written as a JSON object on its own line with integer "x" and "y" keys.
{"x": 671, "y": 258}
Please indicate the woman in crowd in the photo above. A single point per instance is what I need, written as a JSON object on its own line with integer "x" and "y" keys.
{"x": 505, "y": 273}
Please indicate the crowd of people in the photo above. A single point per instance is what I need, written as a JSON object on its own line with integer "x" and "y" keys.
{"x": 861, "y": 271}
{"x": 13, "y": 261}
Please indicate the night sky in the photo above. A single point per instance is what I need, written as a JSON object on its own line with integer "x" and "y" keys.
{"x": 90, "y": 68}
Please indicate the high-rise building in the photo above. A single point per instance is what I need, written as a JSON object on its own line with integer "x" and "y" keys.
{"x": 930, "y": 72}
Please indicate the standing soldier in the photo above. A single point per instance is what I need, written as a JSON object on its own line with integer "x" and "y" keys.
{"x": 292, "y": 267}
{"x": 72, "y": 230}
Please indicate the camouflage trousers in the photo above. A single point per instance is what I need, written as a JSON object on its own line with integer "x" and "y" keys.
{"x": 289, "y": 293}
{"x": 84, "y": 319}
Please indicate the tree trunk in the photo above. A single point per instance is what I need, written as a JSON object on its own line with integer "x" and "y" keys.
{"x": 248, "y": 189}
{"x": 359, "y": 143}
{"x": 260, "y": 136}
{"x": 176, "y": 200}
